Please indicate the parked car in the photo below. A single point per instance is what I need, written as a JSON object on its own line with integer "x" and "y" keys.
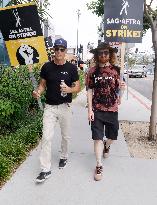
{"x": 138, "y": 71}
{"x": 125, "y": 71}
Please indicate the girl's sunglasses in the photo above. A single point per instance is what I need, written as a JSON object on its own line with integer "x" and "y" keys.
{"x": 100, "y": 53}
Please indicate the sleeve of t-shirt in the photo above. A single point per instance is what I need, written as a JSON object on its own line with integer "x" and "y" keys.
{"x": 75, "y": 76}
{"x": 43, "y": 72}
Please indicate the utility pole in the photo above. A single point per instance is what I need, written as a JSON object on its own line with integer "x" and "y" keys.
{"x": 78, "y": 16}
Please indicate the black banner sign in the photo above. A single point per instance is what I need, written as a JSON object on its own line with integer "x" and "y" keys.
{"x": 123, "y": 21}
{"x": 21, "y": 30}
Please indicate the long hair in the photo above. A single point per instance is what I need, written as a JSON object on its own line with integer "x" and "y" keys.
{"x": 112, "y": 58}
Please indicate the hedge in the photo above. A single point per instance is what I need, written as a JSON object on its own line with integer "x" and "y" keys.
{"x": 15, "y": 147}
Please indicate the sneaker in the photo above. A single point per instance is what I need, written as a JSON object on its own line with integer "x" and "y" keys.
{"x": 98, "y": 173}
{"x": 62, "y": 163}
{"x": 43, "y": 176}
{"x": 106, "y": 150}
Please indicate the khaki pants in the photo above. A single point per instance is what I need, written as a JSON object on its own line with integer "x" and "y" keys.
{"x": 52, "y": 114}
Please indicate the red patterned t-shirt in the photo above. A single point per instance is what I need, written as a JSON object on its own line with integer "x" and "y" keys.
{"x": 105, "y": 84}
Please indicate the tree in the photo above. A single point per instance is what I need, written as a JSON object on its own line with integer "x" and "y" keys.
{"x": 149, "y": 21}
{"x": 41, "y": 4}
{"x": 131, "y": 62}
{"x": 152, "y": 17}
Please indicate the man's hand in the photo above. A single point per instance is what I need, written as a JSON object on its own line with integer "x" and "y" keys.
{"x": 36, "y": 94}
{"x": 65, "y": 88}
{"x": 122, "y": 85}
{"x": 40, "y": 89}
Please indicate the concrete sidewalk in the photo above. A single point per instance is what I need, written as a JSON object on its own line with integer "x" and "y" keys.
{"x": 126, "y": 181}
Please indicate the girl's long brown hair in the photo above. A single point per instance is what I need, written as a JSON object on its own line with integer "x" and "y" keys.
{"x": 112, "y": 58}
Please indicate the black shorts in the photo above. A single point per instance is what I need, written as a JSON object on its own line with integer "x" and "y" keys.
{"x": 107, "y": 119}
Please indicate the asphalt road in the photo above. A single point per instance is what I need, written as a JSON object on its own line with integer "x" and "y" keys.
{"x": 142, "y": 85}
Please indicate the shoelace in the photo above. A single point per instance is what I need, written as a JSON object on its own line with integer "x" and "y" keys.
{"x": 98, "y": 170}
{"x": 42, "y": 174}
{"x": 63, "y": 161}
{"x": 106, "y": 148}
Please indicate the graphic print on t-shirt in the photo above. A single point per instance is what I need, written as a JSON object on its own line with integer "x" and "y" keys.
{"x": 104, "y": 82}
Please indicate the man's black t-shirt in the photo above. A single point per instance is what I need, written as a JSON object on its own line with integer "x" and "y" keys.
{"x": 53, "y": 74}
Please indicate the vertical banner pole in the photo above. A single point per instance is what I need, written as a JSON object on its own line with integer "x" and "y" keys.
{"x": 122, "y": 64}
{"x": 127, "y": 56}
{"x": 35, "y": 84}
{"x": 122, "y": 57}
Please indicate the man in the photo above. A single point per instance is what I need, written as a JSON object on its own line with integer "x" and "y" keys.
{"x": 103, "y": 81}
{"x": 73, "y": 61}
{"x": 80, "y": 64}
{"x": 57, "y": 106}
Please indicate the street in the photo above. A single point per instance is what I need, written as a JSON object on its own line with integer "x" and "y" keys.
{"x": 142, "y": 85}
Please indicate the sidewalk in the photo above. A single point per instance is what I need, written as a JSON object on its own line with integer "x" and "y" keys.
{"x": 126, "y": 181}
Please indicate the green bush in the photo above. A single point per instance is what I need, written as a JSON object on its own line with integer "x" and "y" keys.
{"x": 6, "y": 168}
{"x": 20, "y": 121}
{"x": 30, "y": 133}
{"x": 82, "y": 78}
{"x": 31, "y": 137}
{"x": 82, "y": 81}
{"x": 13, "y": 149}
{"x": 15, "y": 95}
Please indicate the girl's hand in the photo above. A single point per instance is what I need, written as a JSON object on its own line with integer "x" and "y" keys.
{"x": 90, "y": 115}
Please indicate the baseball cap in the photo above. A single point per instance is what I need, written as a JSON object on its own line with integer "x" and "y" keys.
{"x": 60, "y": 42}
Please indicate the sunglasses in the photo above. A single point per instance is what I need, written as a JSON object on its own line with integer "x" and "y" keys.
{"x": 100, "y": 53}
{"x": 60, "y": 49}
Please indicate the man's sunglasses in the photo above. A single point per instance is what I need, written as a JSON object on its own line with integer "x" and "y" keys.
{"x": 100, "y": 53}
{"x": 60, "y": 49}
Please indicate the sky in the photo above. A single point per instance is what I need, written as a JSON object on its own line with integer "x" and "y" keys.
{"x": 146, "y": 43}
{"x": 65, "y": 21}
{"x": 147, "y": 38}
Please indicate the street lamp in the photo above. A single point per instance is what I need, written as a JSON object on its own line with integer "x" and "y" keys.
{"x": 78, "y": 15}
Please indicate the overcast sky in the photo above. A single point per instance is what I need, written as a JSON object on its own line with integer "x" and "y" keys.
{"x": 65, "y": 21}
{"x": 147, "y": 39}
